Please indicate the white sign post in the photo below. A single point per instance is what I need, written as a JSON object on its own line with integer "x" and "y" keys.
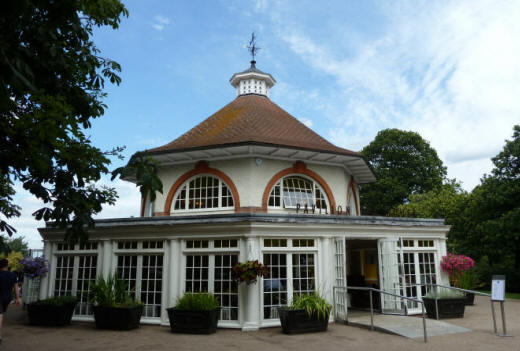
{"x": 498, "y": 293}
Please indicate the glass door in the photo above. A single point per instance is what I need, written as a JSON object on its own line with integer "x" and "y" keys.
{"x": 390, "y": 275}
{"x": 340, "y": 296}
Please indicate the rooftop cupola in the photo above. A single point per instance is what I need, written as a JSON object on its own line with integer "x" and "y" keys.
{"x": 252, "y": 81}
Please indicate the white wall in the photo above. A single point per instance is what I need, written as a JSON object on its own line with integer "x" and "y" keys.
{"x": 251, "y": 178}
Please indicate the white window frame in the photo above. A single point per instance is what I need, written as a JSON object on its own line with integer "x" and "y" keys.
{"x": 416, "y": 250}
{"x": 75, "y": 253}
{"x": 211, "y": 251}
{"x": 208, "y": 209}
{"x": 315, "y": 185}
{"x": 289, "y": 250}
{"x": 140, "y": 252}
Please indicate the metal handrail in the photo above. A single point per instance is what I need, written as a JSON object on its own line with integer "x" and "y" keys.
{"x": 467, "y": 291}
{"x": 346, "y": 288}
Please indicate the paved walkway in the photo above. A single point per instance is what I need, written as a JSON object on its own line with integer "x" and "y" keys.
{"x": 409, "y": 327}
{"x": 84, "y": 337}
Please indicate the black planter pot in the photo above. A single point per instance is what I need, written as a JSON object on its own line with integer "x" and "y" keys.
{"x": 118, "y": 318}
{"x": 193, "y": 322}
{"x": 298, "y": 321}
{"x": 448, "y": 308}
{"x": 470, "y": 299}
{"x": 50, "y": 315}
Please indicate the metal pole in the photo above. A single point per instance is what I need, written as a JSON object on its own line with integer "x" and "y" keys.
{"x": 436, "y": 304}
{"x": 503, "y": 319}
{"x": 371, "y": 312}
{"x": 494, "y": 318}
{"x": 424, "y": 323}
{"x": 334, "y": 299}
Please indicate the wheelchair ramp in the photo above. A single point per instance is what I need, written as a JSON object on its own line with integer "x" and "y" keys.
{"x": 407, "y": 326}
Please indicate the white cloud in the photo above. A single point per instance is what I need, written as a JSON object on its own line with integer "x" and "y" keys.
{"x": 306, "y": 121}
{"x": 159, "y": 22}
{"x": 127, "y": 205}
{"x": 448, "y": 70}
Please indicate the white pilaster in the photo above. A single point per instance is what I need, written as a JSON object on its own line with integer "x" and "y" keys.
{"x": 45, "y": 281}
{"x": 250, "y": 294}
{"x": 106, "y": 258}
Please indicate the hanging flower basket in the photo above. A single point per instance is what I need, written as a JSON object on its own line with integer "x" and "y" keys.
{"x": 249, "y": 272}
{"x": 34, "y": 268}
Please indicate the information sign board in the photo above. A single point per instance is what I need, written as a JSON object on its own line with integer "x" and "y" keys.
{"x": 498, "y": 288}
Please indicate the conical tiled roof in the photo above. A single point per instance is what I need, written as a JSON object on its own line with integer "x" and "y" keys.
{"x": 251, "y": 119}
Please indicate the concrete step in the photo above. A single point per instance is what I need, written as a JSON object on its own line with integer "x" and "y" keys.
{"x": 407, "y": 326}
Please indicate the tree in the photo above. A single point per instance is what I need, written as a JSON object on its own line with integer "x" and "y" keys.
{"x": 15, "y": 244}
{"x": 405, "y": 164}
{"x": 51, "y": 86}
{"x": 143, "y": 169}
{"x": 494, "y": 207}
{"x": 448, "y": 202}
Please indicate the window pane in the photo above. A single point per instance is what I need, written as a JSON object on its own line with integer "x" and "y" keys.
{"x": 303, "y": 273}
{"x": 226, "y": 290}
{"x": 275, "y": 286}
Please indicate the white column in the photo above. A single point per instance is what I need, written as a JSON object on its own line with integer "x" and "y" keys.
{"x": 53, "y": 262}
{"x": 327, "y": 265}
{"x": 250, "y": 294}
{"x": 441, "y": 251}
{"x": 45, "y": 281}
{"x": 106, "y": 254}
{"x": 174, "y": 277}
{"x": 165, "y": 293}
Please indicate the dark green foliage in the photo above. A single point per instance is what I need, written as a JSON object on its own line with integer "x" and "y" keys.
{"x": 14, "y": 244}
{"x": 491, "y": 219}
{"x": 405, "y": 164}
{"x": 313, "y": 304}
{"x": 58, "y": 300}
{"x": 143, "y": 169}
{"x": 51, "y": 87}
{"x": 197, "y": 302}
{"x": 111, "y": 292}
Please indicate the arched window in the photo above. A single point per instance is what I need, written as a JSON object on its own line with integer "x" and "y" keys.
{"x": 292, "y": 190}
{"x": 203, "y": 192}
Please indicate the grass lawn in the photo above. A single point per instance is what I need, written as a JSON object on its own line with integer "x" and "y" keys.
{"x": 508, "y": 295}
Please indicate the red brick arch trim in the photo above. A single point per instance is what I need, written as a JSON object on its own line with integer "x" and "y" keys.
{"x": 299, "y": 168}
{"x": 352, "y": 186}
{"x": 200, "y": 168}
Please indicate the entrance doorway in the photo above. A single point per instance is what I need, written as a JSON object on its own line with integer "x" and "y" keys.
{"x": 362, "y": 271}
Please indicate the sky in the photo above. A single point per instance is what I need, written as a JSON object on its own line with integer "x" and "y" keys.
{"x": 347, "y": 69}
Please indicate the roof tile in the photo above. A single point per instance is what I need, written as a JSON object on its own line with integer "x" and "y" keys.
{"x": 251, "y": 118}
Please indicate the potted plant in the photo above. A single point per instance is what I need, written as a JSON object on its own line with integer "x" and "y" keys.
{"x": 460, "y": 271}
{"x": 307, "y": 313}
{"x": 249, "y": 271}
{"x": 468, "y": 280}
{"x": 52, "y": 312}
{"x": 114, "y": 307}
{"x": 196, "y": 313}
{"x": 450, "y": 304}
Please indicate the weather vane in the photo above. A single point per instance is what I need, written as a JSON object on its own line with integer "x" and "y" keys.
{"x": 253, "y": 49}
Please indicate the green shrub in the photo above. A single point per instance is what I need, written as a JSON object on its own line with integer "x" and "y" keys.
{"x": 111, "y": 292}
{"x": 469, "y": 280}
{"x": 197, "y": 302}
{"x": 58, "y": 300}
{"x": 444, "y": 294}
{"x": 312, "y": 304}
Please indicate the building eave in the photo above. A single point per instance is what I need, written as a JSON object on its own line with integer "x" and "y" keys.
{"x": 323, "y": 222}
{"x": 355, "y": 163}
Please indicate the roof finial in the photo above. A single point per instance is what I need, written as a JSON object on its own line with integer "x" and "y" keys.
{"x": 253, "y": 49}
